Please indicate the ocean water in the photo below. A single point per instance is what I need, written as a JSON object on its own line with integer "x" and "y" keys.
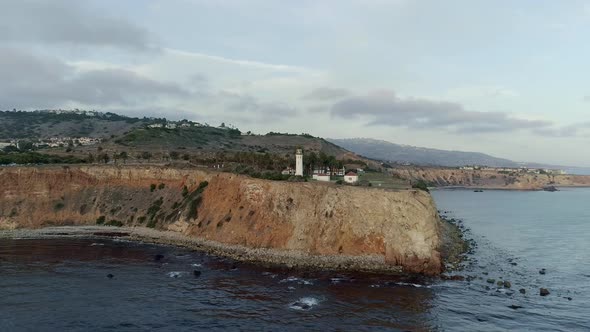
{"x": 114, "y": 285}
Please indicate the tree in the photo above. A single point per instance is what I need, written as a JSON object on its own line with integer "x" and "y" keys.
{"x": 146, "y": 155}
{"x": 104, "y": 157}
{"x": 123, "y": 155}
{"x": 25, "y": 145}
{"x": 90, "y": 158}
{"x": 174, "y": 155}
{"x": 421, "y": 184}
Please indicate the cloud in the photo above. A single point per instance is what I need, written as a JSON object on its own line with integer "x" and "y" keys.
{"x": 239, "y": 62}
{"x": 578, "y": 129}
{"x": 67, "y": 22}
{"x": 249, "y": 108}
{"x": 33, "y": 81}
{"x": 385, "y": 108}
{"x": 326, "y": 93}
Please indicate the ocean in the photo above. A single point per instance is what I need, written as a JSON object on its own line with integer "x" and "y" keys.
{"x": 532, "y": 240}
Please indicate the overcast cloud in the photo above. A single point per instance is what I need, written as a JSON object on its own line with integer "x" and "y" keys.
{"x": 385, "y": 109}
{"x": 258, "y": 64}
{"x": 34, "y": 81}
{"x": 325, "y": 93}
{"x": 67, "y": 22}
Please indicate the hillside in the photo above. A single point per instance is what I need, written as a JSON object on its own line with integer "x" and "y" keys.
{"x": 405, "y": 154}
{"x": 80, "y": 134}
{"x": 45, "y": 124}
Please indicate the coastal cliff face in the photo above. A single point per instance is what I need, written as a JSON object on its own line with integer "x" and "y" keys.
{"x": 312, "y": 218}
{"x": 443, "y": 177}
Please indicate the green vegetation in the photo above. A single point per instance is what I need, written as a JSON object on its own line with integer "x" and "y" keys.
{"x": 202, "y": 186}
{"x": 194, "y": 199}
{"x": 100, "y": 220}
{"x": 58, "y": 206}
{"x": 152, "y": 187}
{"x": 421, "y": 184}
{"x": 173, "y": 138}
{"x": 161, "y": 186}
{"x": 153, "y": 210}
{"x": 36, "y": 158}
{"x": 272, "y": 133}
{"x": 116, "y": 223}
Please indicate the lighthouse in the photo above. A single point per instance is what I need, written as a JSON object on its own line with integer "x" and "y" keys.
{"x": 299, "y": 162}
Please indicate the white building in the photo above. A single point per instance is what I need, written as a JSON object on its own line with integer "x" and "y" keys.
{"x": 321, "y": 177}
{"x": 299, "y": 162}
{"x": 288, "y": 171}
{"x": 351, "y": 177}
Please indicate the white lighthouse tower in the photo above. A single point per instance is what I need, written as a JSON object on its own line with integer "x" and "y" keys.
{"x": 299, "y": 162}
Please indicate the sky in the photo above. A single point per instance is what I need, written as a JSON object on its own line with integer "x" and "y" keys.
{"x": 508, "y": 78}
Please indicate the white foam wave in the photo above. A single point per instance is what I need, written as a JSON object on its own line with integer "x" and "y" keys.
{"x": 296, "y": 280}
{"x": 304, "y": 303}
{"x": 175, "y": 274}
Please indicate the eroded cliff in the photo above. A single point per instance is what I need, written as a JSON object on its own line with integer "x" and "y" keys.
{"x": 490, "y": 179}
{"x": 402, "y": 228}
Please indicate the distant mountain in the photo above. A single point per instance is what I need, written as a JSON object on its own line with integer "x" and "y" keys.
{"x": 387, "y": 151}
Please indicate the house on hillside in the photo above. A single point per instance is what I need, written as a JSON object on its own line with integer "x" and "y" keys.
{"x": 351, "y": 177}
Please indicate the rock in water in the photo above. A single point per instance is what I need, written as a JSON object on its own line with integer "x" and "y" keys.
{"x": 522, "y": 291}
{"x": 544, "y": 292}
{"x": 507, "y": 284}
{"x": 513, "y": 306}
{"x": 542, "y": 271}
{"x": 491, "y": 281}
{"x": 197, "y": 273}
{"x": 158, "y": 257}
{"x": 110, "y": 276}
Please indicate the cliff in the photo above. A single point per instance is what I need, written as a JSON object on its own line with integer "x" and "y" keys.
{"x": 489, "y": 179}
{"x": 401, "y": 229}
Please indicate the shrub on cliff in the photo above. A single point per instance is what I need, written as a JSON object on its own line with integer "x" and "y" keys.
{"x": 58, "y": 206}
{"x": 421, "y": 184}
{"x": 116, "y": 223}
{"x": 202, "y": 186}
{"x": 100, "y": 220}
{"x": 152, "y": 187}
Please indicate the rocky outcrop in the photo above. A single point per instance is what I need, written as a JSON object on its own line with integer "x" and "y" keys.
{"x": 400, "y": 228}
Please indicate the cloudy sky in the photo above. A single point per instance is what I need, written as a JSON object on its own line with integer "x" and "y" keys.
{"x": 504, "y": 77}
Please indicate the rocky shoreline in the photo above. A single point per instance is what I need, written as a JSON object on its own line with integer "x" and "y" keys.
{"x": 260, "y": 256}
{"x": 453, "y": 250}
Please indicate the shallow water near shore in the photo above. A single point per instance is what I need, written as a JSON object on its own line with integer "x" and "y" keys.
{"x": 63, "y": 284}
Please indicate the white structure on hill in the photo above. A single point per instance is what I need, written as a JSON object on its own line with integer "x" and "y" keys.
{"x": 351, "y": 177}
{"x": 299, "y": 162}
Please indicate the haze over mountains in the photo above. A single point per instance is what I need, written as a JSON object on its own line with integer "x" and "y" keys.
{"x": 387, "y": 151}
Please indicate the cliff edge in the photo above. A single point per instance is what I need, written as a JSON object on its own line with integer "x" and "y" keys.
{"x": 397, "y": 230}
